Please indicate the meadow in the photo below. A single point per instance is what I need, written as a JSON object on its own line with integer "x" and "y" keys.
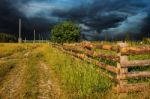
{"x": 35, "y": 71}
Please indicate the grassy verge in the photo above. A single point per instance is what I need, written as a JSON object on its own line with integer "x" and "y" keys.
{"x": 78, "y": 78}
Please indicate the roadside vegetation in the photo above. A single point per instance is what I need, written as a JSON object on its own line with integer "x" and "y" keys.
{"x": 22, "y": 69}
{"x": 77, "y": 78}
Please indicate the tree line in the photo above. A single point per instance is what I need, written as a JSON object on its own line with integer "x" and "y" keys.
{"x": 7, "y": 38}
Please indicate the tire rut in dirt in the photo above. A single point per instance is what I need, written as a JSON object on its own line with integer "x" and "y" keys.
{"x": 12, "y": 85}
{"x": 44, "y": 82}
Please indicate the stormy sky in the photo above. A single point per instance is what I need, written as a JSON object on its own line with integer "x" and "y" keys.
{"x": 99, "y": 19}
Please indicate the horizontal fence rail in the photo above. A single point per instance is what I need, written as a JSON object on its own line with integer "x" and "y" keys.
{"x": 85, "y": 52}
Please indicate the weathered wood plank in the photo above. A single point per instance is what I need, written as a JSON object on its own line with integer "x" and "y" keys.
{"x": 107, "y": 47}
{"x": 135, "y": 75}
{"x": 135, "y": 63}
{"x": 135, "y": 50}
{"x": 74, "y": 49}
{"x": 85, "y": 53}
{"x": 90, "y": 53}
{"x": 108, "y": 57}
{"x": 104, "y": 56}
{"x": 107, "y": 67}
{"x": 89, "y": 46}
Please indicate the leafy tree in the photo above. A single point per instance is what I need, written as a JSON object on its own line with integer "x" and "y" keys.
{"x": 65, "y": 32}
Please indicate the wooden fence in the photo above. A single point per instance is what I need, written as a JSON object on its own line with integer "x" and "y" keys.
{"x": 84, "y": 51}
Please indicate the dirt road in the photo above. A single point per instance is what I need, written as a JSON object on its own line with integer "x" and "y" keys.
{"x": 29, "y": 77}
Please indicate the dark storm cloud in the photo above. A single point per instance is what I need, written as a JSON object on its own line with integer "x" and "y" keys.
{"x": 10, "y": 14}
{"x": 98, "y": 18}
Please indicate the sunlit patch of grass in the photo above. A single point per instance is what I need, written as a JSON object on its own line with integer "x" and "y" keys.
{"x": 139, "y": 57}
{"x": 8, "y": 49}
{"x": 18, "y": 51}
{"x": 32, "y": 75}
{"x": 31, "y": 81}
{"x": 77, "y": 77}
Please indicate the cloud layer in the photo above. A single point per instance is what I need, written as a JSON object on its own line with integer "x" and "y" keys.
{"x": 97, "y": 18}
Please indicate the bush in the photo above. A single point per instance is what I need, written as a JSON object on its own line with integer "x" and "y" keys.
{"x": 65, "y": 32}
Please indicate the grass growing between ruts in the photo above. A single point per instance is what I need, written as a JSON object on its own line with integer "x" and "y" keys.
{"x": 78, "y": 78}
{"x": 32, "y": 75}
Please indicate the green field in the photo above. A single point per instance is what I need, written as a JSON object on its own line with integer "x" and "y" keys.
{"x": 37, "y": 71}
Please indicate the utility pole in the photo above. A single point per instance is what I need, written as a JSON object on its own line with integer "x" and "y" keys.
{"x": 34, "y": 35}
{"x": 39, "y": 38}
{"x": 19, "y": 39}
{"x": 25, "y": 40}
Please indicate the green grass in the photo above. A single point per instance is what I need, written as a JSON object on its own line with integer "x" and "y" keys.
{"x": 9, "y": 49}
{"x": 75, "y": 70}
{"x": 32, "y": 76}
{"x": 78, "y": 78}
{"x": 139, "y": 57}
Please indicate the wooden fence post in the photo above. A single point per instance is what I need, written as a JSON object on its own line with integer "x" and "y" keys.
{"x": 122, "y": 71}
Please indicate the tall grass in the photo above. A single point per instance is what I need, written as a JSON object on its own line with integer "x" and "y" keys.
{"x": 9, "y": 49}
{"x": 77, "y": 77}
{"x": 12, "y": 48}
{"x": 81, "y": 81}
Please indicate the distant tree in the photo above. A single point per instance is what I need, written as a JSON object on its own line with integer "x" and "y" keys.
{"x": 65, "y": 32}
{"x": 7, "y": 38}
{"x": 146, "y": 40}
